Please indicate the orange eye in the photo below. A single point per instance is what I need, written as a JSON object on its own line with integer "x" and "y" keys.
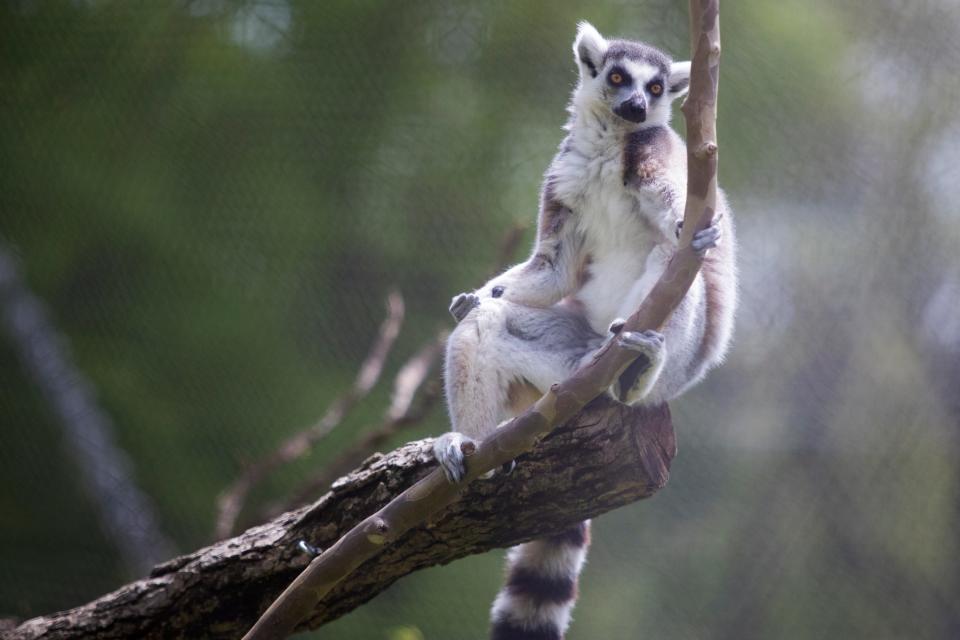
{"x": 616, "y": 78}
{"x": 656, "y": 89}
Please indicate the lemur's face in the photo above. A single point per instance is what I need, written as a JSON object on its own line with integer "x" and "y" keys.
{"x": 634, "y": 90}
{"x": 632, "y": 81}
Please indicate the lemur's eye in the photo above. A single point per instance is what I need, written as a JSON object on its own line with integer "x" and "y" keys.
{"x": 616, "y": 78}
{"x": 656, "y": 88}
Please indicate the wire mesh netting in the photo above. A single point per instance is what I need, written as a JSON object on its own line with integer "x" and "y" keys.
{"x": 203, "y": 206}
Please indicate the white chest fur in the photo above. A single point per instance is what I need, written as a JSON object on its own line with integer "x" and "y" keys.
{"x": 613, "y": 220}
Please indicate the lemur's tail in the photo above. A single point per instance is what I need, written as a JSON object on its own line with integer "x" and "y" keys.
{"x": 541, "y": 587}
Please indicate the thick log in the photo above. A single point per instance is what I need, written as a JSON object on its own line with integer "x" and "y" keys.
{"x": 606, "y": 457}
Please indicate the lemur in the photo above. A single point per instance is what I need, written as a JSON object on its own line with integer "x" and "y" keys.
{"x": 610, "y": 210}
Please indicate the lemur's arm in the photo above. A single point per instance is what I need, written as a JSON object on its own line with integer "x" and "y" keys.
{"x": 547, "y": 276}
{"x": 655, "y": 170}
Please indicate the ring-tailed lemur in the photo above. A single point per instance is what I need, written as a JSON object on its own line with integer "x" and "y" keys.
{"x": 610, "y": 210}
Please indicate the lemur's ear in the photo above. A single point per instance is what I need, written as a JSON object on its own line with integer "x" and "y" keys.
{"x": 679, "y": 79}
{"x": 588, "y": 49}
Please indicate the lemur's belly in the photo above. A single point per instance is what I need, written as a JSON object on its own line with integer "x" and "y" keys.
{"x": 617, "y": 239}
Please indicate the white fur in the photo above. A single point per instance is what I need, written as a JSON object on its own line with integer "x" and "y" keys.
{"x": 590, "y": 177}
{"x": 549, "y": 558}
{"x": 527, "y": 614}
{"x": 588, "y": 45}
{"x": 680, "y": 71}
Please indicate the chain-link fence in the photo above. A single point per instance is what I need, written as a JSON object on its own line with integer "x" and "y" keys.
{"x": 203, "y": 206}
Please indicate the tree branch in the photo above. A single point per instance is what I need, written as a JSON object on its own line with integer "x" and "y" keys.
{"x": 420, "y": 502}
{"x": 230, "y": 502}
{"x": 607, "y": 457}
{"x": 402, "y": 412}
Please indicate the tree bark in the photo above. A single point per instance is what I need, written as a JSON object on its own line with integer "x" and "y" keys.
{"x": 606, "y": 457}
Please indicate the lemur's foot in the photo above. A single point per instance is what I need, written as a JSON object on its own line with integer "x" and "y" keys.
{"x": 649, "y": 343}
{"x": 706, "y": 238}
{"x": 462, "y": 304}
{"x": 448, "y": 450}
{"x": 616, "y": 326}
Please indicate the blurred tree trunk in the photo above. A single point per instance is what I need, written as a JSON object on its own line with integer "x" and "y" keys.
{"x": 127, "y": 515}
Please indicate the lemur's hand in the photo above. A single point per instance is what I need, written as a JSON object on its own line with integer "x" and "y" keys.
{"x": 461, "y": 305}
{"x": 448, "y": 449}
{"x": 707, "y": 238}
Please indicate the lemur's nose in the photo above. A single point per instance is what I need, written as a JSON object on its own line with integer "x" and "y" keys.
{"x": 633, "y": 109}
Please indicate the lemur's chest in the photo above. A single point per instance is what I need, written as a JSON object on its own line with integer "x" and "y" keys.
{"x": 614, "y": 221}
{"x": 607, "y": 211}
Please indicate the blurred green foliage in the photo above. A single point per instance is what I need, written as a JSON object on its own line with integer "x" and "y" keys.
{"x": 214, "y": 197}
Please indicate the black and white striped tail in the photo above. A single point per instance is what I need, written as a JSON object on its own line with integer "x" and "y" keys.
{"x": 541, "y": 587}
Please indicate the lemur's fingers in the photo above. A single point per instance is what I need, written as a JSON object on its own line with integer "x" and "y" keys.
{"x": 649, "y": 343}
{"x": 616, "y": 325}
{"x": 679, "y": 227}
{"x": 448, "y": 453}
{"x": 462, "y": 304}
{"x": 706, "y": 238}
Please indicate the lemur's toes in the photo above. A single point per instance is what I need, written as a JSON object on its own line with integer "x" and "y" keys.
{"x": 447, "y": 449}
{"x": 706, "y": 239}
{"x": 679, "y": 228}
{"x": 647, "y": 342}
{"x": 462, "y": 304}
{"x": 616, "y": 325}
